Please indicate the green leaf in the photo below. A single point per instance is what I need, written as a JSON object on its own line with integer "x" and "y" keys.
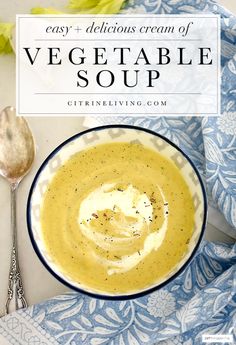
{"x": 97, "y": 7}
{"x": 44, "y": 10}
{"x": 5, "y": 37}
{"x": 82, "y": 4}
{"x": 85, "y": 7}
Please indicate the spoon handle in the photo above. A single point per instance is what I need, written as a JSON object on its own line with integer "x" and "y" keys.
{"x": 15, "y": 295}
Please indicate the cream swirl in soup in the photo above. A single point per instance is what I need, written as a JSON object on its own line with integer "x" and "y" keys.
{"x": 117, "y": 218}
{"x": 132, "y": 214}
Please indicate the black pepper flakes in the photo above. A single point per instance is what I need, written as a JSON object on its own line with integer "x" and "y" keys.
{"x": 94, "y": 215}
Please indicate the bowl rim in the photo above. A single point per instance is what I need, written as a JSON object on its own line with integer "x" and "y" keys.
{"x": 97, "y": 294}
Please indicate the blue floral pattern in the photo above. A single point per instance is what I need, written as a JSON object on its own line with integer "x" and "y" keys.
{"x": 202, "y": 300}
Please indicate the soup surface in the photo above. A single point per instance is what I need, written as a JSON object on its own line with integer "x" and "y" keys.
{"x": 117, "y": 217}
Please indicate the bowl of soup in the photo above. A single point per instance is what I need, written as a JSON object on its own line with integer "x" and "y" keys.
{"x": 116, "y": 211}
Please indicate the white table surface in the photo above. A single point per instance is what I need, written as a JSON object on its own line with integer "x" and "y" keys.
{"x": 49, "y": 132}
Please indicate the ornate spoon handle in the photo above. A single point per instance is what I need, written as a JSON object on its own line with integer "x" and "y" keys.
{"x": 15, "y": 294}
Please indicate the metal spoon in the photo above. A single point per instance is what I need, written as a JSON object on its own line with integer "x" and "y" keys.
{"x": 17, "y": 152}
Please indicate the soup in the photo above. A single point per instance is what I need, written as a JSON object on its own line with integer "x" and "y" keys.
{"x": 117, "y": 217}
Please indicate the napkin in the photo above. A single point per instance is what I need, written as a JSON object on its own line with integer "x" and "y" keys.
{"x": 202, "y": 300}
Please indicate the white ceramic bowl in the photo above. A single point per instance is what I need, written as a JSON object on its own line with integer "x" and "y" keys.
{"x": 101, "y": 135}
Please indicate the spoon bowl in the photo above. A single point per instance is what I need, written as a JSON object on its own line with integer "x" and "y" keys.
{"x": 17, "y": 149}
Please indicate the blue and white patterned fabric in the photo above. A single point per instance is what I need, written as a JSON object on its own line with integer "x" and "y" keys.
{"x": 202, "y": 300}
